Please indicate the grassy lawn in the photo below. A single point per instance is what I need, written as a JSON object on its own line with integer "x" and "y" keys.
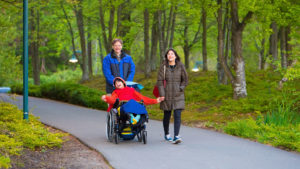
{"x": 210, "y": 105}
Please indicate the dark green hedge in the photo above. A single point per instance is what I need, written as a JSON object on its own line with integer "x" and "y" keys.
{"x": 67, "y": 92}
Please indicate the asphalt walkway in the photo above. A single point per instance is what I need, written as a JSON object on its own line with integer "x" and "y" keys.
{"x": 201, "y": 149}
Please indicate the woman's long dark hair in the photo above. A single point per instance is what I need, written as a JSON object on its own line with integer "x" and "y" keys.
{"x": 177, "y": 56}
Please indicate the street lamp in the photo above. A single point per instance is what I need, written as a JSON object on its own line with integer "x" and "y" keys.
{"x": 197, "y": 65}
{"x": 73, "y": 59}
{"x": 195, "y": 69}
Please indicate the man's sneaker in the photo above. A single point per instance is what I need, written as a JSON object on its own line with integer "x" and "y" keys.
{"x": 177, "y": 139}
{"x": 168, "y": 137}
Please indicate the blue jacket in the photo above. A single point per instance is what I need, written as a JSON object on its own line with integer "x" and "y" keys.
{"x": 112, "y": 68}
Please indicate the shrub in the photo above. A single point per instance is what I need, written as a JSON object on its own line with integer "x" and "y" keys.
{"x": 67, "y": 92}
{"x": 16, "y": 134}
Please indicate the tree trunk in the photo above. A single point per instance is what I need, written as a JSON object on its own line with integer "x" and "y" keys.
{"x": 261, "y": 59}
{"x": 168, "y": 27}
{"x": 146, "y": 44}
{"x": 284, "y": 63}
{"x": 239, "y": 83}
{"x": 34, "y": 47}
{"x": 90, "y": 59}
{"x": 111, "y": 24}
{"x": 204, "y": 48}
{"x": 164, "y": 19}
{"x": 288, "y": 45}
{"x": 70, "y": 30}
{"x": 160, "y": 37}
{"x": 125, "y": 28}
{"x": 101, "y": 51}
{"x": 43, "y": 66}
{"x": 223, "y": 69}
{"x": 173, "y": 28}
{"x": 118, "y": 20}
{"x": 273, "y": 44}
{"x": 186, "y": 48}
{"x": 186, "y": 56}
{"x": 225, "y": 43}
{"x": 107, "y": 45}
{"x": 79, "y": 19}
{"x": 154, "y": 41}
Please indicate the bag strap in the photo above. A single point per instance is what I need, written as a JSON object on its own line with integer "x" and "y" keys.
{"x": 164, "y": 72}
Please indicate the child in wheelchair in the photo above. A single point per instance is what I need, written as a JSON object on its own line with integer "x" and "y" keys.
{"x": 128, "y": 104}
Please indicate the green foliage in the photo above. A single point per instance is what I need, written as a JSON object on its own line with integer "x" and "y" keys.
{"x": 280, "y": 126}
{"x": 10, "y": 70}
{"x": 283, "y": 112}
{"x": 60, "y": 76}
{"x": 4, "y": 162}
{"x": 33, "y": 90}
{"x": 17, "y": 134}
{"x": 67, "y": 92}
{"x": 293, "y": 72}
{"x": 244, "y": 128}
{"x": 287, "y": 137}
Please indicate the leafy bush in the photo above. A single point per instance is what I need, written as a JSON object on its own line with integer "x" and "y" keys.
{"x": 60, "y": 76}
{"x": 16, "y": 134}
{"x": 10, "y": 69}
{"x": 67, "y": 92}
{"x": 33, "y": 90}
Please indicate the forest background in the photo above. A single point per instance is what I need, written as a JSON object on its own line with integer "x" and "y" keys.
{"x": 247, "y": 51}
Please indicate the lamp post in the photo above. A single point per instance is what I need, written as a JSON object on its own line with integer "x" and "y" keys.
{"x": 25, "y": 60}
{"x": 73, "y": 59}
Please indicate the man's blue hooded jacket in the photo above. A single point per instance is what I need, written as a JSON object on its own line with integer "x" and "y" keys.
{"x": 113, "y": 68}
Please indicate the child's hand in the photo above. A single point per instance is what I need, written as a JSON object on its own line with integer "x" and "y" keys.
{"x": 160, "y": 99}
{"x": 103, "y": 98}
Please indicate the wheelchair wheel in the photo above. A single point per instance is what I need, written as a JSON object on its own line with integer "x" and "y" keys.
{"x": 115, "y": 127}
{"x": 144, "y": 135}
{"x": 139, "y": 136}
{"x": 109, "y": 127}
{"x": 116, "y": 138}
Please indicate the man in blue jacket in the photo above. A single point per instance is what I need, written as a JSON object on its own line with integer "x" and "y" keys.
{"x": 117, "y": 64}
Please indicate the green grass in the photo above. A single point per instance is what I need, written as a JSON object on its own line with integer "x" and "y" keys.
{"x": 256, "y": 117}
{"x": 286, "y": 137}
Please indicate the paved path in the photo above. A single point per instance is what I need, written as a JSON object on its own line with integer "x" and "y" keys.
{"x": 201, "y": 149}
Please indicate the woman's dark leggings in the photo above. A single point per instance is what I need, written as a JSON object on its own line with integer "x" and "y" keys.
{"x": 177, "y": 121}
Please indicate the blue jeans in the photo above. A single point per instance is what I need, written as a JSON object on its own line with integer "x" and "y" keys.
{"x": 177, "y": 121}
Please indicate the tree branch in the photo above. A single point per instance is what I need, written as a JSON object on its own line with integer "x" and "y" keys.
{"x": 245, "y": 20}
{"x": 12, "y": 3}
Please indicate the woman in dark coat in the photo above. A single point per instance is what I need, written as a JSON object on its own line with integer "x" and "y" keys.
{"x": 173, "y": 72}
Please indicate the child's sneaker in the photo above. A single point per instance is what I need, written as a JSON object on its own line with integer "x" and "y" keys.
{"x": 177, "y": 139}
{"x": 168, "y": 137}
